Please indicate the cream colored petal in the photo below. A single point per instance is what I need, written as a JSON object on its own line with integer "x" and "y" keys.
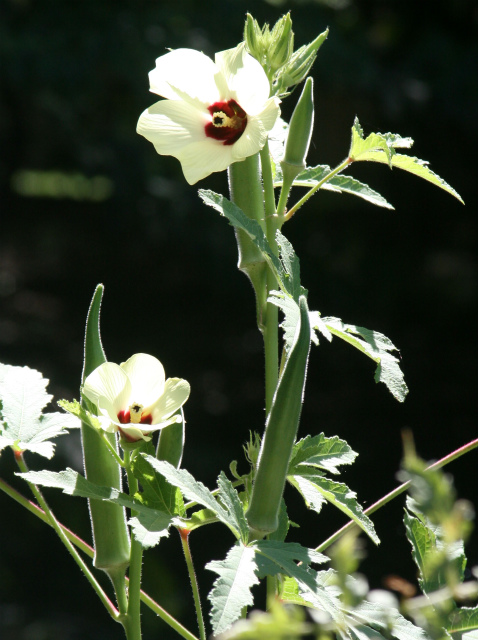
{"x": 255, "y": 134}
{"x": 146, "y": 374}
{"x": 108, "y": 387}
{"x": 134, "y": 433}
{"x": 176, "y": 392}
{"x": 171, "y": 125}
{"x": 251, "y": 141}
{"x": 200, "y": 159}
{"x": 246, "y": 79}
{"x": 185, "y": 71}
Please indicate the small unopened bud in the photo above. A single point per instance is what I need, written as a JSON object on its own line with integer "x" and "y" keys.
{"x": 253, "y": 38}
{"x": 300, "y": 131}
{"x": 282, "y": 43}
{"x": 300, "y": 63}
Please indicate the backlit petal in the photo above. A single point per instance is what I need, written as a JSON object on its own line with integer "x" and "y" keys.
{"x": 200, "y": 159}
{"x": 245, "y": 78}
{"x": 171, "y": 125}
{"x": 146, "y": 374}
{"x": 188, "y": 71}
{"x": 176, "y": 392}
{"x": 109, "y": 384}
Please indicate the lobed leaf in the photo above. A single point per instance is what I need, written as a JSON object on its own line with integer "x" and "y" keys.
{"x": 231, "y": 591}
{"x": 230, "y": 499}
{"x": 322, "y": 452}
{"x": 378, "y": 147}
{"x": 316, "y": 488}
{"x": 339, "y": 183}
{"x": 280, "y": 558}
{"x": 194, "y": 490}
{"x": 463, "y": 621}
{"x": 374, "y": 620}
{"x": 23, "y": 397}
{"x": 157, "y": 492}
{"x": 239, "y": 220}
{"x": 149, "y": 524}
{"x": 377, "y": 347}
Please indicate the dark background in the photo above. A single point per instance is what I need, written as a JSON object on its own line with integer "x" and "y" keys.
{"x": 74, "y": 82}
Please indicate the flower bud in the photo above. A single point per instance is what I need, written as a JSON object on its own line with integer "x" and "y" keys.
{"x": 254, "y": 38}
{"x": 299, "y": 64}
{"x": 282, "y": 43}
{"x": 298, "y": 138}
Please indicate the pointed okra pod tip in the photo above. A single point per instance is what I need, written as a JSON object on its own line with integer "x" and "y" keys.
{"x": 300, "y": 133}
{"x": 110, "y": 532}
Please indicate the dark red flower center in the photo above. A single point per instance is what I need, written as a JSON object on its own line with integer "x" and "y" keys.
{"x": 228, "y": 122}
{"x": 124, "y": 417}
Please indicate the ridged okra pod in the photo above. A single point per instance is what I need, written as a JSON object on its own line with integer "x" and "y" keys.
{"x": 108, "y": 521}
{"x": 280, "y": 433}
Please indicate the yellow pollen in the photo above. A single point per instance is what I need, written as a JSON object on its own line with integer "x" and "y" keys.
{"x": 136, "y": 412}
{"x": 220, "y": 119}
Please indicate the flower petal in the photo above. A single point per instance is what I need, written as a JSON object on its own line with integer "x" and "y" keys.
{"x": 245, "y": 77}
{"x": 200, "y": 159}
{"x": 133, "y": 433}
{"x": 170, "y": 125}
{"x": 108, "y": 387}
{"x": 188, "y": 71}
{"x": 146, "y": 375}
{"x": 255, "y": 134}
{"x": 176, "y": 392}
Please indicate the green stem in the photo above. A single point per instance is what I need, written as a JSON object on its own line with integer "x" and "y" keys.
{"x": 90, "y": 552}
{"x": 132, "y": 619}
{"x": 271, "y": 324}
{"x": 61, "y": 534}
{"x": 184, "y": 534}
{"x": 397, "y": 491}
{"x": 343, "y": 165}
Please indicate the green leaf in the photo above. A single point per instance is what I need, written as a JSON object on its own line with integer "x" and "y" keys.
{"x": 23, "y": 396}
{"x": 149, "y": 524}
{"x": 423, "y": 543}
{"x": 291, "y": 265}
{"x": 291, "y": 311}
{"x": 280, "y": 558}
{"x": 157, "y": 492}
{"x": 278, "y": 623}
{"x": 377, "y": 347}
{"x": 383, "y": 620}
{"x": 436, "y": 557}
{"x": 75, "y": 409}
{"x": 463, "y": 621}
{"x": 194, "y": 490}
{"x": 230, "y": 499}
{"x": 239, "y": 220}
{"x": 322, "y": 452}
{"x": 199, "y": 519}
{"x": 316, "y": 488}
{"x": 340, "y": 184}
{"x": 378, "y": 147}
{"x": 232, "y": 589}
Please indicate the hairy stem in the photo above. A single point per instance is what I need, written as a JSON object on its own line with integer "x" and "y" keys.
{"x": 184, "y": 534}
{"x": 69, "y": 546}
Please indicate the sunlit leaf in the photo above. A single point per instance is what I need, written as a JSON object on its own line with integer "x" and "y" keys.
{"x": 232, "y": 589}
{"x": 23, "y": 397}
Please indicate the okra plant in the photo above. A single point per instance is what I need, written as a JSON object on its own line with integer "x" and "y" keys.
{"x": 215, "y": 116}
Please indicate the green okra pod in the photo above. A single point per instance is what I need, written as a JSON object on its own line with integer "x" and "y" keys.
{"x": 298, "y": 138}
{"x": 280, "y": 433}
{"x": 110, "y": 532}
